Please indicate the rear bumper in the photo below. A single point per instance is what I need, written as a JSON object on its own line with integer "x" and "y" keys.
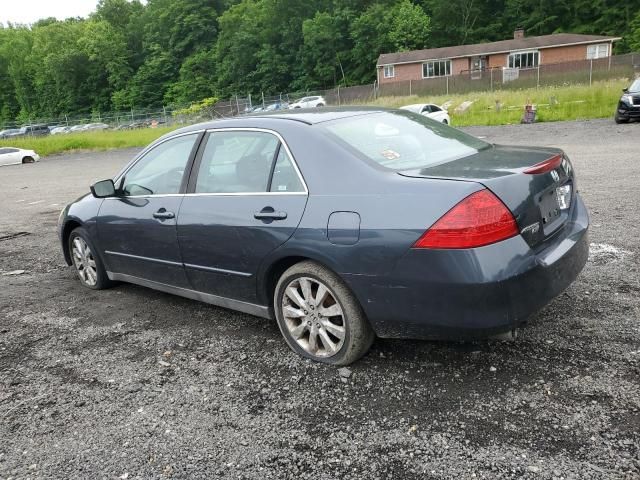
{"x": 475, "y": 292}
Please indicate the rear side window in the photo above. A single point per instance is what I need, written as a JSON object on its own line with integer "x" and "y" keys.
{"x": 285, "y": 178}
{"x": 236, "y": 162}
{"x": 402, "y": 140}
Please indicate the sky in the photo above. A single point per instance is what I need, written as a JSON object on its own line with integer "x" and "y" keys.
{"x": 29, "y": 11}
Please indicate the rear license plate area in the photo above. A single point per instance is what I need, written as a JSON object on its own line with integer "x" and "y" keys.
{"x": 549, "y": 209}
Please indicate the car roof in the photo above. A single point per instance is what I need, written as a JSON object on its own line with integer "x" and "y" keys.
{"x": 309, "y": 116}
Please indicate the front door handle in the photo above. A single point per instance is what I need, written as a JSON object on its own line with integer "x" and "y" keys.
{"x": 162, "y": 214}
{"x": 268, "y": 213}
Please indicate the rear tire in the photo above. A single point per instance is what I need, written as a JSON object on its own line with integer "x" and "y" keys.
{"x": 86, "y": 261}
{"x": 28, "y": 160}
{"x": 319, "y": 316}
{"x": 445, "y": 121}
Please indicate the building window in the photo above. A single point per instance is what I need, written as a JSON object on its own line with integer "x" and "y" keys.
{"x": 436, "y": 68}
{"x": 597, "y": 51}
{"x": 389, "y": 71}
{"x": 529, "y": 59}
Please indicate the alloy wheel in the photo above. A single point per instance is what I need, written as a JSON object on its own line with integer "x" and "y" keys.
{"x": 313, "y": 317}
{"x": 84, "y": 262}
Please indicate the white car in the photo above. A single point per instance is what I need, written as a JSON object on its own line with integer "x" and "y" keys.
{"x": 13, "y": 156}
{"x": 430, "y": 110}
{"x": 60, "y": 130}
{"x": 308, "y": 102}
{"x": 95, "y": 126}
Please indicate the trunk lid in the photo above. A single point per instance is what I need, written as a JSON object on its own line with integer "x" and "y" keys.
{"x": 532, "y": 198}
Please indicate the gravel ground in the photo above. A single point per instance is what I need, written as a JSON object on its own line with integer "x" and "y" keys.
{"x": 131, "y": 383}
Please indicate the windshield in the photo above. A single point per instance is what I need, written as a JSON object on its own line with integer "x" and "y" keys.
{"x": 635, "y": 86}
{"x": 402, "y": 140}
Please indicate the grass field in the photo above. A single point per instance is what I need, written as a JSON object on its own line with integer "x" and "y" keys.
{"x": 102, "y": 140}
{"x": 553, "y": 103}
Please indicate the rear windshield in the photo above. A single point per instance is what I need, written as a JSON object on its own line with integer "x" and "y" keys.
{"x": 402, "y": 140}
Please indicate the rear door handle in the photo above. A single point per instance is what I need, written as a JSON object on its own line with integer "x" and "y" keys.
{"x": 268, "y": 213}
{"x": 162, "y": 214}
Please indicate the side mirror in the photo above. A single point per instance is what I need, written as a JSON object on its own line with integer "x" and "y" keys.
{"x": 103, "y": 189}
{"x": 625, "y": 90}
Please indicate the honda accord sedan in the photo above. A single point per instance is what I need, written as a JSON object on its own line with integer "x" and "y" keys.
{"x": 341, "y": 224}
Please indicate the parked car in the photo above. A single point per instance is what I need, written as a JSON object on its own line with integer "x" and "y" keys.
{"x": 276, "y": 106}
{"x": 342, "y": 225}
{"x": 629, "y": 104}
{"x": 34, "y": 130}
{"x": 78, "y": 128}
{"x": 95, "y": 126}
{"x": 309, "y": 102}
{"x": 60, "y": 130}
{"x": 9, "y": 133}
{"x": 430, "y": 110}
{"x": 13, "y": 156}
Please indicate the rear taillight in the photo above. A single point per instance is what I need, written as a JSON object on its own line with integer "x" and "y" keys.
{"x": 546, "y": 166}
{"x": 478, "y": 220}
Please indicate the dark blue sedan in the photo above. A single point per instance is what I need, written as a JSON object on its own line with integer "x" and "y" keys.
{"x": 342, "y": 224}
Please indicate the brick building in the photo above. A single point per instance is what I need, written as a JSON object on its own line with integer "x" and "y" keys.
{"x": 509, "y": 55}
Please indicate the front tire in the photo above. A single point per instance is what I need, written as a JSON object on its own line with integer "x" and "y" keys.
{"x": 319, "y": 316}
{"x": 86, "y": 261}
{"x": 28, "y": 160}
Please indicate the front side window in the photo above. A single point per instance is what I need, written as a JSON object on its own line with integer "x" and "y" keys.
{"x": 597, "y": 51}
{"x": 236, "y": 162}
{"x": 436, "y": 68}
{"x": 389, "y": 71}
{"x": 402, "y": 140}
{"x": 524, "y": 59}
{"x": 160, "y": 171}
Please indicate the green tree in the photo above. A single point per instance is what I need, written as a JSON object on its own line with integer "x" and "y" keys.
{"x": 386, "y": 27}
{"x": 634, "y": 34}
{"x": 196, "y": 81}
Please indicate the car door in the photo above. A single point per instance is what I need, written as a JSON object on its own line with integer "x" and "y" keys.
{"x": 137, "y": 229}
{"x": 10, "y": 156}
{"x": 246, "y": 197}
{"x": 5, "y": 157}
{"x": 436, "y": 113}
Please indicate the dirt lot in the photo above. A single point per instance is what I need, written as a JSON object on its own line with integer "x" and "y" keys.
{"x": 83, "y": 393}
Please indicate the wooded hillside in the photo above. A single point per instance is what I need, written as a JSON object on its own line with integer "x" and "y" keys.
{"x": 130, "y": 55}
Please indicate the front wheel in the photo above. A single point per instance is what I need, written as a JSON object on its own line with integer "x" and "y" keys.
{"x": 28, "y": 160}
{"x": 319, "y": 316}
{"x": 87, "y": 263}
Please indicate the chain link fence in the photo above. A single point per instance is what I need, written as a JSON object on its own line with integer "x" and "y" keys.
{"x": 560, "y": 74}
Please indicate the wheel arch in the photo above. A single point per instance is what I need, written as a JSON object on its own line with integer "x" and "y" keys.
{"x": 69, "y": 227}
{"x": 274, "y": 270}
